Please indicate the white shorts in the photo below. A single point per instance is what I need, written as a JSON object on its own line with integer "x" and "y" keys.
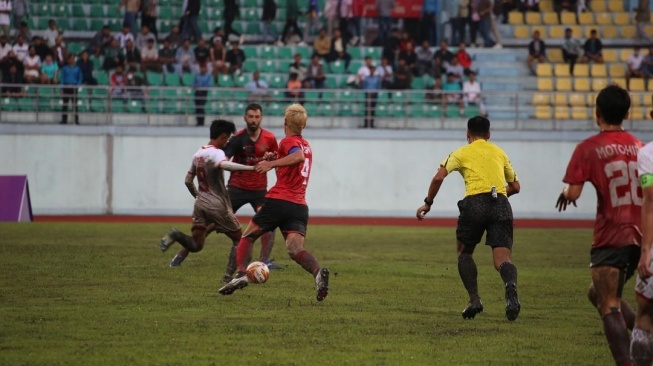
{"x": 644, "y": 288}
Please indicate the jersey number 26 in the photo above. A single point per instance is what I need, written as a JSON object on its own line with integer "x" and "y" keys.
{"x": 627, "y": 176}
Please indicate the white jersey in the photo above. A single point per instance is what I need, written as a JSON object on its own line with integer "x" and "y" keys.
{"x": 210, "y": 177}
{"x": 644, "y": 167}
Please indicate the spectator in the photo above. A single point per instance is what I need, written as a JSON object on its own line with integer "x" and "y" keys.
{"x": 14, "y": 82}
{"x": 346, "y": 14}
{"x": 506, "y": 7}
{"x": 219, "y": 57}
{"x": 203, "y": 55}
{"x": 592, "y": 49}
{"x": 472, "y": 93}
{"x": 132, "y": 8}
{"x": 41, "y": 49}
{"x": 385, "y": 73}
{"x": 20, "y": 10}
{"x": 464, "y": 59}
{"x": 32, "y": 64}
{"x": 134, "y": 88}
{"x": 298, "y": 67}
{"x": 86, "y": 68}
{"x": 444, "y": 55}
{"x": 482, "y": 14}
{"x": 268, "y": 16}
{"x": 391, "y": 47}
{"x": 231, "y": 12}
{"x": 371, "y": 84}
{"x": 571, "y": 49}
{"x": 458, "y": 11}
{"x": 293, "y": 39}
{"x": 453, "y": 94}
{"x": 403, "y": 76}
{"x": 384, "y": 9}
{"x": 71, "y": 79}
{"x": 167, "y": 57}
{"x": 113, "y": 56}
{"x": 174, "y": 39}
{"x": 235, "y": 59}
{"x": 322, "y": 45}
{"x": 424, "y": 59}
{"x": 331, "y": 15}
{"x": 132, "y": 56}
{"x": 117, "y": 82}
{"x": 560, "y": 5}
{"x": 20, "y": 48}
{"x": 364, "y": 71}
{"x": 59, "y": 52}
{"x": 185, "y": 58}
{"x": 8, "y": 62}
{"x": 410, "y": 57}
{"x": 339, "y": 50}
{"x": 124, "y": 36}
{"x": 455, "y": 69}
{"x": 49, "y": 71}
{"x": 315, "y": 74}
{"x": 201, "y": 83}
{"x": 405, "y": 41}
{"x": 536, "y": 51}
{"x": 634, "y": 66}
{"x": 258, "y": 89}
{"x": 355, "y": 24}
{"x": 292, "y": 13}
{"x": 294, "y": 89}
{"x": 428, "y": 22}
{"x": 100, "y": 41}
{"x": 150, "y": 57}
{"x": 23, "y": 31}
{"x": 5, "y": 47}
{"x": 149, "y": 14}
{"x": 647, "y": 67}
{"x": 50, "y": 35}
{"x": 529, "y": 5}
{"x": 143, "y": 37}
{"x": 435, "y": 92}
{"x": 313, "y": 19}
{"x": 217, "y": 33}
{"x": 642, "y": 19}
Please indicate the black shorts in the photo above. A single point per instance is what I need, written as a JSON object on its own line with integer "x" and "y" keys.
{"x": 623, "y": 258}
{"x": 288, "y": 216}
{"x": 482, "y": 212}
{"x": 241, "y": 197}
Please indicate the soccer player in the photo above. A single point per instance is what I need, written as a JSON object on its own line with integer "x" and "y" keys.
{"x": 489, "y": 180}
{"x": 212, "y": 209}
{"x": 608, "y": 160}
{"x": 248, "y": 146}
{"x": 641, "y": 345}
{"x": 285, "y": 205}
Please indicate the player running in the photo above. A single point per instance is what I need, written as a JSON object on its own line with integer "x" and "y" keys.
{"x": 212, "y": 209}
{"x": 608, "y": 160}
{"x": 248, "y": 146}
{"x": 641, "y": 345}
{"x": 485, "y": 169}
{"x": 285, "y": 205}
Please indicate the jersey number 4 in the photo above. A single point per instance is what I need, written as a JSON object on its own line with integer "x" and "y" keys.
{"x": 627, "y": 176}
{"x": 306, "y": 170}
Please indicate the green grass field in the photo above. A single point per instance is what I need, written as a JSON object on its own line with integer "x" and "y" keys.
{"x": 103, "y": 294}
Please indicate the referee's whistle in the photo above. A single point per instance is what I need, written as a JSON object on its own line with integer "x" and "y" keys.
{"x": 494, "y": 192}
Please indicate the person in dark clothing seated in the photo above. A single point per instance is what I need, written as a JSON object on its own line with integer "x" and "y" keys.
{"x": 86, "y": 67}
{"x": 13, "y": 83}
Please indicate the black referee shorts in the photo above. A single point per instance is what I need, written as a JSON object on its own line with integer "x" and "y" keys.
{"x": 288, "y": 216}
{"x": 241, "y": 197}
{"x": 482, "y": 212}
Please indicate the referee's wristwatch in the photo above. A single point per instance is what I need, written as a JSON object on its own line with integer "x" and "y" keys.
{"x": 426, "y": 200}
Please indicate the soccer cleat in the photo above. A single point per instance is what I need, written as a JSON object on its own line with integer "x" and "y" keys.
{"x": 227, "y": 278}
{"x": 168, "y": 240}
{"x": 235, "y": 284}
{"x": 272, "y": 265}
{"x": 472, "y": 309}
{"x": 322, "y": 284}
{"x": 512, "y": 301}
{"x": 176, "y": 261}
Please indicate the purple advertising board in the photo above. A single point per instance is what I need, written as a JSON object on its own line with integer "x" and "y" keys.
{"x": 15, "y": 203}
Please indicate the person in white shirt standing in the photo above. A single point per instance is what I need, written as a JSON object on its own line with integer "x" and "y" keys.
{"x": 20, "y": 48}
{"x": 5, "y": 47}
{"x": 634, "y": 66}
{"x": 472, "y": 93}
{"x": 5, "y": 20}
{"x": 50, "y": 35}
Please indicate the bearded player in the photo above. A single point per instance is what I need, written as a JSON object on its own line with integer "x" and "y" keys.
{"x": 608, "y": 160}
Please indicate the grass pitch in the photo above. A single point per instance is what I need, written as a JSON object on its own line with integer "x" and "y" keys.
{"x": 103, "y": 294}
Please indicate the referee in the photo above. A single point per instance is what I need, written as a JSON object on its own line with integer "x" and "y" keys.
{"x": 485, "y": 169}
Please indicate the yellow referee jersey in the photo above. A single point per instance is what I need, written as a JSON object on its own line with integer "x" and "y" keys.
{"x": 482, "y": 165}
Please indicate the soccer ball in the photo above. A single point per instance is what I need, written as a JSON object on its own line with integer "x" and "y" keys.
{"x": 258, "y": 272}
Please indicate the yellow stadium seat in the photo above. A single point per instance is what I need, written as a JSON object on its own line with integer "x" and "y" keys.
{"x": 637, "y": 114}
{"x": 624, "y": 54}
{"x": 635, "y": 100}
{"x": 586, "y": 19}
{"x": 599, "y": 83}
{"x": 542, "y": 30}
{"x": 609, "y": 55}
{"x": 617, "y": 70}
{"x": 599, "y": 70}
{"x": 615, "y": 6}
{"x": 603, "y": 18}
{"x": 582, "y": 70}
{"x": 563, "y": 84}
{"x": 556, "y": 31}
{"x": 550, "y": 18}
{"x": 628, "y": 31}
{"x": 619, "y": 81}
{"x": 636, "y": 85}
{"x": 554, "y": 55}
{"x": 649, "y": 29}
{"x": 577, "y": 100}
{"x": 544, "y": 70}
{"x": 567, "y": 18}
{"x": 609, "y": 31}
{"x": 561, "y": 70}
{"x": 521, "y": 31}
{"x": 599, "y": 5}
{"x": 533, "y": 18}
{"x": 578, "y": 113}
{"x": 544, "y": 84}
{"x": 542, "y": 112}
{"x": 515, "y": 18}
{"x": 540, "y": 99}
{"x": 576, "y": 30}
{"x": 622, "y": 18}
{"x": 546, "y": 6}
{"x": 650, "y": 88}
{"x": 582, "y": 84}
{"x": 560, "y": 99}
{"x": 561, "y": 113}
{"x": 591, "y": 99}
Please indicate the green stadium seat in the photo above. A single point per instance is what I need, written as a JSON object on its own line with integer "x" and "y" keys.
{"x": 98, "y": 105}
{"x": 187, "y": 79}
{"x": 9, "y": 104}
{"x": 284, "y": 65}
{"x": 97, "y": 24}
{"x": 417, "y": 111}
{"x": 154, "y": 78}
{"x": 383, "y": 110}
{"x": 277, "y": 82}
{"x": 418, "y": 83}
{"x": 336, "y": 67}
{"x": 78, "y": 11}
{"x": 214, "y": 14}
{"x": 43, "y": 10}
{"x": 97, "y": 11}
{"x": 153, "y": 102}
{"x": 311, "y": 96}
{"x": 166, "y": 2}
{"x": 75, "y": 47}
{"x": 269, "y": 66}
{"x": 252, "y": 4}
{"x": 373, "y": 52}
{"x": 115, "y": 24}
{"x": 82, "y": 105}
{"x": 241, "y": 80}
{"x": 170, "y": 103}
{"x": 251, "y": 14}
{"x": 250, "y": 51}
{"x": 398, "y": 96}
{"x": 452, "y": 111}
{"x": 311, "y": 108}
{"x": 79, "y": 25}
{"x": 135, "y": 106}
{"x": 254, "y": 28}
{"x": 285, "y": 53}
{"x": 225, "y": 81}
{"x": 26, "y": 104}
{"x": 102, "y": 77}
{"x": 305, "y": 52}
{"x": 61, "y": 11}
{"x": 345, "y": 109}
{"x": 275, "y": 109}
{"x": 433, "y": 110}
{"x": 267, "y": 52}
{"x": 326, "y": 109}
{"x": 114, "y": 12}
{"x": 172, "y": 80}
{"x": 331, "y": 82}
{"x": 165, "y": 12}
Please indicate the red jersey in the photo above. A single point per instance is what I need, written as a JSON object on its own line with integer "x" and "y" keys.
{"x": 248, "y": 152}
{"x": 465, "y": 59}
{"x": 608, "y": 160}
{"x": 292, "y": 180}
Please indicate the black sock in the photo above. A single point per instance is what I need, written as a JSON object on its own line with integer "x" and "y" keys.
{"x": 468, "y": 273}
{"x": 617, "y": 336}
{"x": 187, "y": 242}
{"x": 508, "y": 273}
{"x": 629, "y": 315}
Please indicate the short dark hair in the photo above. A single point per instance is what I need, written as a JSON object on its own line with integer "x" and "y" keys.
{"x": 478, "y": 126}
{"x": 613, "y": 103}
{"x": 254, "y": 107}
{"x": 220, "y": 126}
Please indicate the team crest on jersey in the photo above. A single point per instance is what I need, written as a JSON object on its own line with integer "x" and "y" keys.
{"x": 263, "y": 147}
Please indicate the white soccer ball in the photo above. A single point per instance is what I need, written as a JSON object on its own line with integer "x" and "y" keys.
{"x": 258, "y": 272}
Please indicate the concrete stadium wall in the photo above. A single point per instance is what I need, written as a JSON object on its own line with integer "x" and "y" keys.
{"x": 355, "y": 172}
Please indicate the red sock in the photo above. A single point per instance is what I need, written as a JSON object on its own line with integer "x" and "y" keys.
{"x": 244, "y": 255}
{"x": 307, "y": 261}
{"x": 267, "y": 242}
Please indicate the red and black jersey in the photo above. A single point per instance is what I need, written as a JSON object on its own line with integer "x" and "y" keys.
{"x": 248, "y": 152}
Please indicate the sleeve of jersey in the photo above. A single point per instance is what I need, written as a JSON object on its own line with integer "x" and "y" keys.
{"x": 509, "y": 172}
{"x": 452, "y": 162}
{"x": 284, "y": 147}
{"x": 230, "y": 149}
{"x": 274, "y": 146}
{"x": 578, "y": 170}
{"x": 645, "y": 166}
{"x": 218, "y": 156}
{"x": 192, "y": 168}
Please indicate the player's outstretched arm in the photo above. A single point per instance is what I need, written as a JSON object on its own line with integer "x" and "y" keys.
{"x": 232, "y": 167}
{"x": 644, "y": 266}
{"x": 292, "y": 159}
{"x": 434, "y": 188}
{"x": 568, "y": 196}
{"x": 190, "y": 177}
